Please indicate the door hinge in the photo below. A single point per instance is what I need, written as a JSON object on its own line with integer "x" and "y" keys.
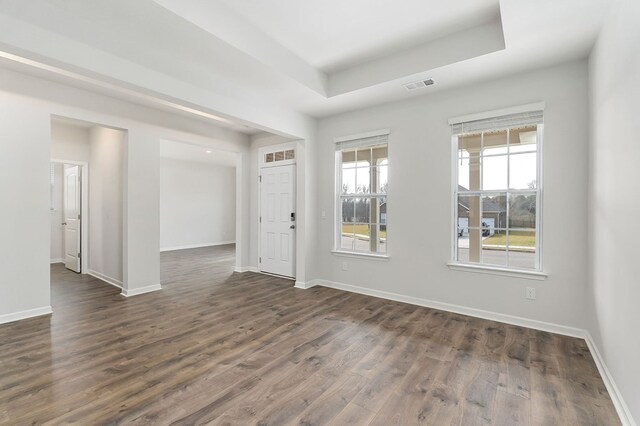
{"x": 259, "y": 260}
{"x": 78, "y": 255}
{"x": 260, "y": 219}
{"x": 260, "y": 178}
{"x": 78, "y": 216}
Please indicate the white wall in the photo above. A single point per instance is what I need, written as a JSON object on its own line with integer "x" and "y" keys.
{"x": 69, "y": 142}
{"x": 105, "y": 202}
{"x": 57, "y": 240}
{"x": 197, "y": 204}
{"x": 614, "y": 203}
{"x": 24, "y": 224}
{"x": 420, "y": 198}
{"x": 28, "y": 103}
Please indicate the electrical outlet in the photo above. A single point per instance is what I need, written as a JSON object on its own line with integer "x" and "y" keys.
{"x": 345, "y": 266}
{"x": 530, "y": 293}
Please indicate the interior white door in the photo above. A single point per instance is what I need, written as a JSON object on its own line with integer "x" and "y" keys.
{"x": 71, "y": 217}
{"x": 277, "y": 220}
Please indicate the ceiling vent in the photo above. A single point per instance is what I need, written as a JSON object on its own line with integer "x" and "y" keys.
{"x": 419, "y": 84}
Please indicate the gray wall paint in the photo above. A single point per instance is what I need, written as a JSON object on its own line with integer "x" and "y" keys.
{"x": 197, "y": 204}
{"x": 57, "y": 240}
{"x": 105, "y": 201}
{"x": 419, "y": 211}
{"x": 614, "y": 203}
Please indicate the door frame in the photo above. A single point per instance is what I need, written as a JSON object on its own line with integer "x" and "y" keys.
{"x": 84, "y": 213}
{"x": 262, "y": 151}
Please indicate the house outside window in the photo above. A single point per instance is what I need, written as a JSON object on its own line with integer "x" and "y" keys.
{"x": 362, "y": 170}
{"x": 497, "y": 191}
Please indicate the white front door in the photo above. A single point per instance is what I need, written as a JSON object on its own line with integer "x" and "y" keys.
{"x": 71, "y": 217}
{"x": 277, "y": 220}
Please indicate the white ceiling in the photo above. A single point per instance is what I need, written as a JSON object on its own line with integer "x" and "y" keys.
{"x": 275, "y": 60}
{"x": 200, "y": 154}
{"x": 334, "y": 34}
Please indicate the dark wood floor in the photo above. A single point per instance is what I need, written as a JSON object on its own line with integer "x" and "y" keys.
{"x": 226, "y": 348}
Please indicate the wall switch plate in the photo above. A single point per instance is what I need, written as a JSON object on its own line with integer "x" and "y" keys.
{"x": 324, "y": 214}
{"x": 345, "y": 266}
{"x": 530, "y": 293}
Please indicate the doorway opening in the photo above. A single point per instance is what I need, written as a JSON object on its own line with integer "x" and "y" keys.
{"x": 197, "y": 211}
{"x": 86, "y": 204}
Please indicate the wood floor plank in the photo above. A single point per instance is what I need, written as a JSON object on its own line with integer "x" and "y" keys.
{"x": 215, "y": 346}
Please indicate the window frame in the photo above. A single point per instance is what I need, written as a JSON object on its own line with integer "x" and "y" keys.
{"x": 338, "y": 196}
{"x": 503, "y": 270}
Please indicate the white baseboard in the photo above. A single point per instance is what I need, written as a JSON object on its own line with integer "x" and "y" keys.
{"x": 245, "y": 269}
{"x": 29, "y": 313}
{"x": 140, "y": 290}
{"x": 616, "y": 397}
{"x": 52, "y": 261}
{"x": 464, "y": 310}
{"x": 618, "y": 401}
{"x": 105, "y": 278}
{"x": 192, "y": 246}
{"x": 304, "y": 286}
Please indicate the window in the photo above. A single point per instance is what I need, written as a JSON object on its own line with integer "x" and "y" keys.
{"x": 497, "y": 188}
{"x": 362, "y": 170}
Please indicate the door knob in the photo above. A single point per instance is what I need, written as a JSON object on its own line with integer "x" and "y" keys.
{"x": 292, "y": 227}
{"x": 64, "y": 224}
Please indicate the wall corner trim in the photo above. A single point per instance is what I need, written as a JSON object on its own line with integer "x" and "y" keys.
{"x": 304, "y": 286}
{"x": 29, "y": 313}
{"x": 242, "y": 269}
{"x": 616, "y": 397}
{"x": 612, "y": 389}
{"x": 105, "y": 278}
{"x": 140, "y": 290}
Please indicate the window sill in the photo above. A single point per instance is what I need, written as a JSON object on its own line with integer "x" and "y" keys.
{"x": 361, "y": 255}
{"x": 482, "y": 269}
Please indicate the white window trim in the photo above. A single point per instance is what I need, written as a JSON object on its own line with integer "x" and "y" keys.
{"x": 496, "y": 270}
{"x": 538, "y": 273}
{"x": 337, "y": 250}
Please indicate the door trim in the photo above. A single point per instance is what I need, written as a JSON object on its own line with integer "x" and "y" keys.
{"x": 84, "y": 203}
{"x": 262, "y": 151}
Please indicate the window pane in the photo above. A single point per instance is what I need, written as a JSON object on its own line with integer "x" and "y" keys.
{"x": 463, "y": 244}
{"x": 363, "y": 180}
{"x": 463, "y": 174}
{"x": 363, "y": 210}
{"x": 494, "y": 250}
{"x": 494, "y": 142}
{"x": 348, "y": 210}
{"x": 381, "y": 203}
{"x": 349, "y": 158}
{"x": 523, "y": 171}
{"x": 362, "y": 237}
{"x": 494, "y": 211}
{"x": 522, "y": 210}
{"x": 364, "y": 157}
{"x": 382, "y": 177}
{"x": 469, "y": 209}
{"x": 522, "y": 248}
{"x": 269, "y": 158}
{"x": 347, "y": 237}
{"x": 379, "y": 155}
{"x": 348, "y": 181}
{"x": 469, "y": 144}
{"x": 382, "y": 239}
{"x": 523, "y": 139}
{"x": 494, "y": 173}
